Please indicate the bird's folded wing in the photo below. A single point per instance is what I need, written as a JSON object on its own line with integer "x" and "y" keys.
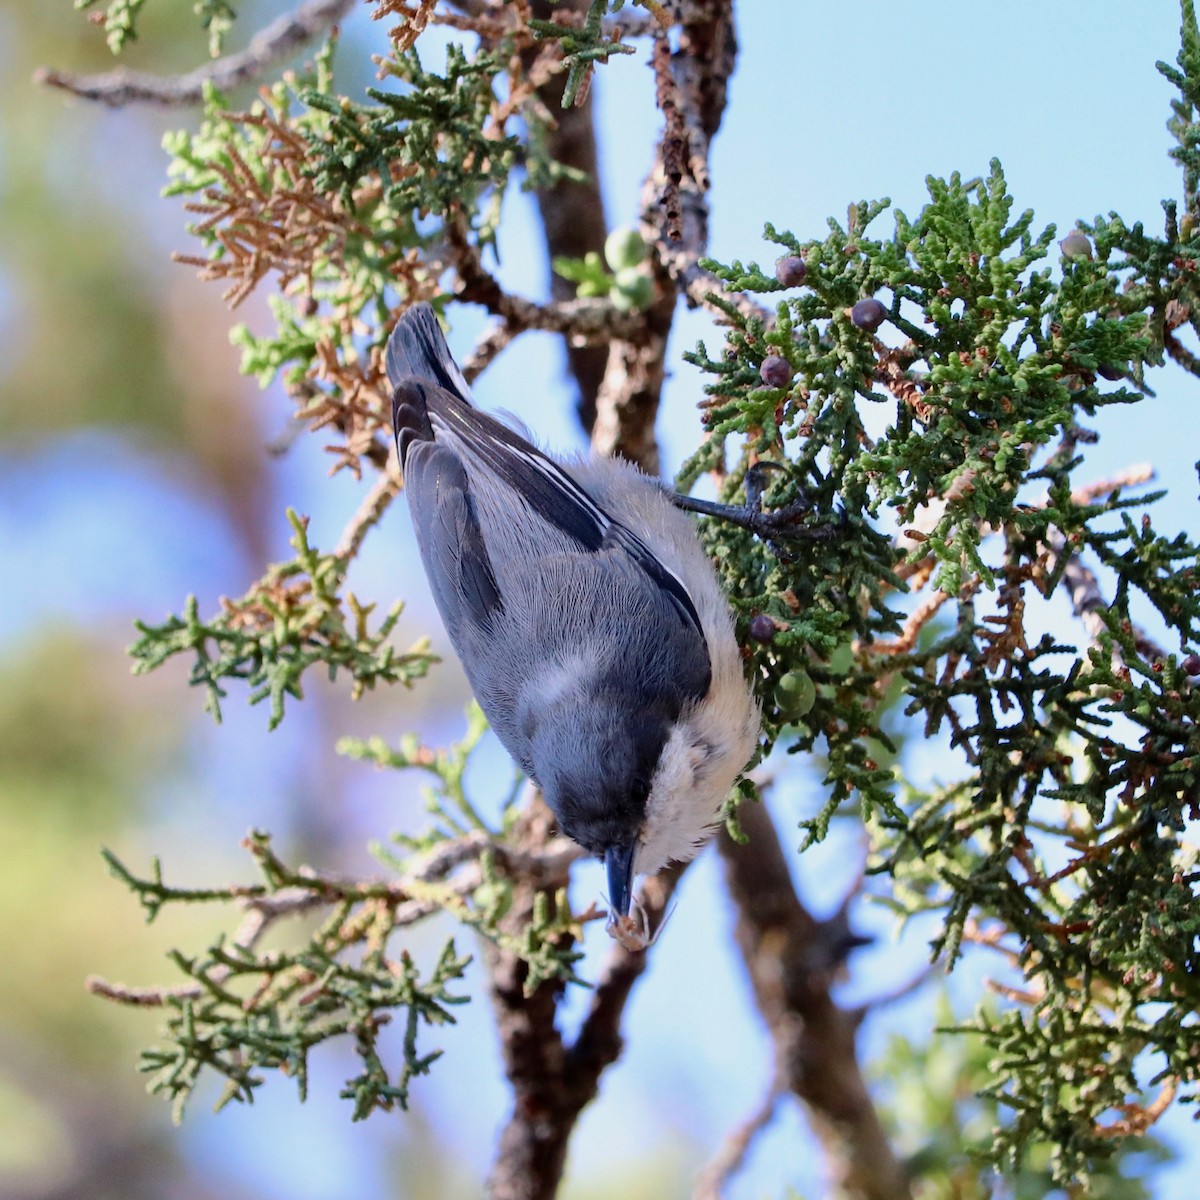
{"x": 456, "y": 557}
{"x": 499, "y": 458}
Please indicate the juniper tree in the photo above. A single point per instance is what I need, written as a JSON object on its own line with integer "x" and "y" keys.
{"x": 1063, "y": 847}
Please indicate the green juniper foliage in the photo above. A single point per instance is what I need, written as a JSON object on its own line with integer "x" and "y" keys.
{"x": 246, "y": 1012}
{"x": 429, "y": 142}
{"x": 121, "y": 21}
{"x": 938, "y": 437}
{"x": 217, "y": 16}
{"x": 625, "y": 280}
{"x": 251, "y": 1007}
{"x": 1089, "y": 762}
{"x": 294, "y": 618}
{"x": 943, "y": 1120}
{"x": 583, "y": 47}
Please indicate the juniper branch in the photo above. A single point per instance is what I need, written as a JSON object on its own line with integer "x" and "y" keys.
{"x": 571, "y": 207}
{"x": 554, "y": 1079}
{"x": 583, "y": 321}
{"x": 814, "y": 1039}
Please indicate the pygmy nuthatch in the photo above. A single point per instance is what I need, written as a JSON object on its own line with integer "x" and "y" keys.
{"x": 587, "y": 616}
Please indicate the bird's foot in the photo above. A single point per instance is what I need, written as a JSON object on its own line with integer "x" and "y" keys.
{"x": 776, "y": 526}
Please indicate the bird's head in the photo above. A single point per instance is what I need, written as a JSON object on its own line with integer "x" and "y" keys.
{"x": 596, "y": 766}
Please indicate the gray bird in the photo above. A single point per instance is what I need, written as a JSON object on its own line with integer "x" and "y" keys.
{"x": 587, "y": 616}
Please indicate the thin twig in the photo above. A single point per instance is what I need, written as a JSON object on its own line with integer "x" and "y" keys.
{"x": 383, "y": 491}
{"x": 591, "y": 321}
{"x": 1132, "y": 476}
{"x": 700, "y": 287}
{"x": 1180, "y": 353}
{"x": 917, "y": 620}
{"x": 1088, "y": 602}
{"x": 1015, "y": 995}
{"x": 901, "y": 992}
{"x": 486, "y": 350}
{"x": 547, "y": 862}
{"x": 279, "y": 40}
{"x": 731, "y": 1154}
{"x": 135, "y": 997}
{"x": 1137, "y": 1120}
{"x": 992, "y": 938}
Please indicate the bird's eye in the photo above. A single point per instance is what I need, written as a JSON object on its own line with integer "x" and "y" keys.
{"x": 639, "y": 790}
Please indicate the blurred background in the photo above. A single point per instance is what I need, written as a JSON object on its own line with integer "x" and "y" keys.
{"x": 134, "y": 470}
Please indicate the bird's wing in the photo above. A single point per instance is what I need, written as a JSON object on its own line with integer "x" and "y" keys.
{"x": 503, "y": 462}
{"x": 431, "y": 404}
{"x": 448, "y": 534}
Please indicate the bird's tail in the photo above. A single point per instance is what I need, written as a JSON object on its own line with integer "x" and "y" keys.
{"x": 417, "y": 350}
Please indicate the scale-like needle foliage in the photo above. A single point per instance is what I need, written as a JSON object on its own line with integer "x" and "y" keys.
{"x": 294, "y": 618}
{"x": 990, "y": 367}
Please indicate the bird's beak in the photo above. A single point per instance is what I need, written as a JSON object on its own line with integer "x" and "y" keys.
{"x": 618, "y": 862}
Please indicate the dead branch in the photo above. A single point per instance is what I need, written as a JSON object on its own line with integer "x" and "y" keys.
{"x": 279, "y": 40}
{"x": 675, "y": 210}
{"x": 383, "y": 491}
{"x": 672, "y": 146}
{"x": 412, "y": 20}
{"x": 628, "y": 399}
{"x": 690, "y": 89}
{"x": 583, "y": 322}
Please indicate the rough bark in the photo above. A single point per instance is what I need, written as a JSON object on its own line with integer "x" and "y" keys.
{"x": 553, "y": 1079}
{"x": 573, "y": 220}
{"x": 791, "y": 958}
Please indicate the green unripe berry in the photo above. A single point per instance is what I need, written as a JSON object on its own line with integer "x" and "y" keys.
{"x": 631, "y": 290}
{"x": 624, "y": 248}
{"x": 795, "y": 695}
